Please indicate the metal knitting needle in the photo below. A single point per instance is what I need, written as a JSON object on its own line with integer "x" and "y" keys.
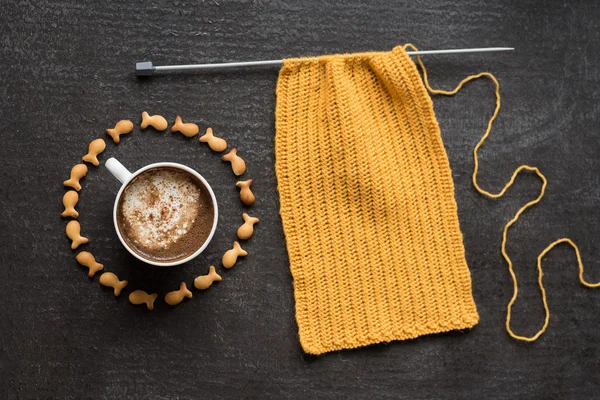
{"x": 146, "y": 68}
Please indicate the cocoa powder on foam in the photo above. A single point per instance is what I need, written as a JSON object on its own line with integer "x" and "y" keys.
{"x": 188, "y": 242}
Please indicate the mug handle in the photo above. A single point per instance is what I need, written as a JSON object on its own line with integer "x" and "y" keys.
{"x": 118, "y": 170}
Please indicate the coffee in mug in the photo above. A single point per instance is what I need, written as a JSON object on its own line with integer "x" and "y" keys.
{"x": 165, "y": 214}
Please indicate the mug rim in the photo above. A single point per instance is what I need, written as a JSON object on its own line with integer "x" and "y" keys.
{"x": 189, "y": 171}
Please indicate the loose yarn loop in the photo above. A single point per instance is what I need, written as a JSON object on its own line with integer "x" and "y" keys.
{"x": 500, "y": 194}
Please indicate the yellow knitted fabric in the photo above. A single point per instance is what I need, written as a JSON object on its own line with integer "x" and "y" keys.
{"x": 367, "y": 203}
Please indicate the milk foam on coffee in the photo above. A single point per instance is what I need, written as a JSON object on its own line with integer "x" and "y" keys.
{"x": 159, "y": 207}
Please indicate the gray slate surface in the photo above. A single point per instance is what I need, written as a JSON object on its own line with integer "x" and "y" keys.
{"x": 66, "y": 73}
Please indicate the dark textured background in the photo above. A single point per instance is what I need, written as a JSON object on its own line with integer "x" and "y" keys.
{"x": 66, "y": 73}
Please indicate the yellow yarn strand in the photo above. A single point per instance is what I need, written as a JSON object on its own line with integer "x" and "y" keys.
{"x": 521, "y": 210}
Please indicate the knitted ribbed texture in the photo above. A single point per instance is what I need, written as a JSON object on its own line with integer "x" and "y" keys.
{"x": 367, "y": 203}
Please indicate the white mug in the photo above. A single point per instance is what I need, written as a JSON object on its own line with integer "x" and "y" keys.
{"x": 124, "y": 176}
